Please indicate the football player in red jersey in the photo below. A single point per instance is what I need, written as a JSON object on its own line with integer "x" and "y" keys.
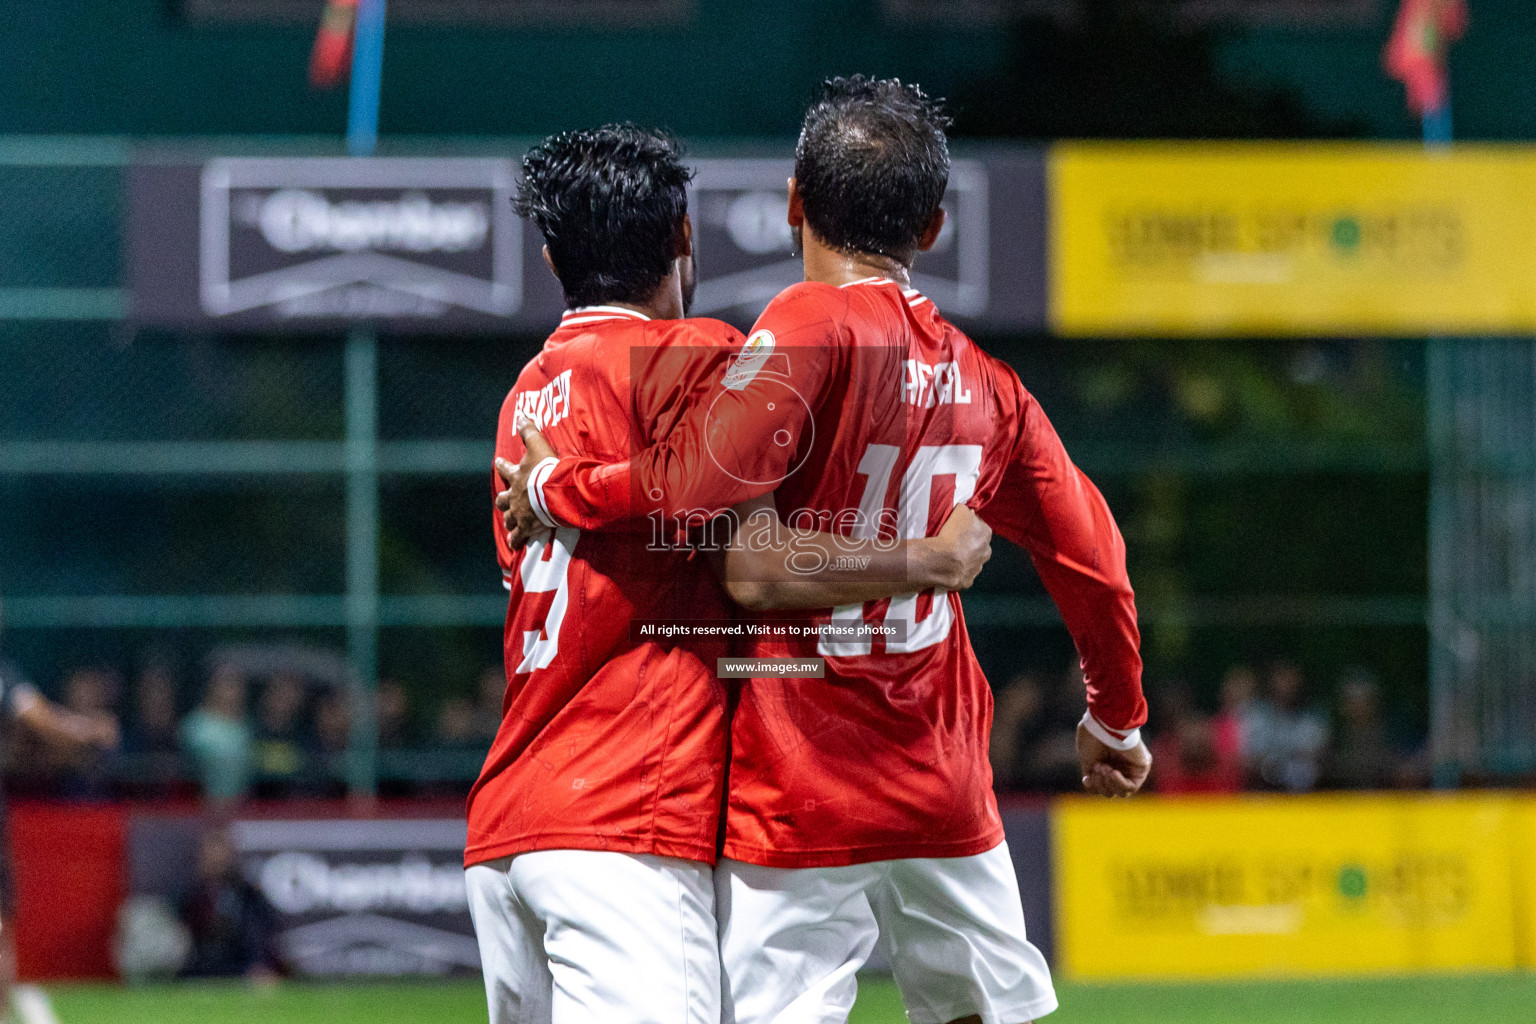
{"x": 593, "y": 825}
{"x": 861, "y": 806}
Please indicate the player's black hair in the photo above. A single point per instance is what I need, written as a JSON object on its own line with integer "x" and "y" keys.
{"x": 609, "y": 203}
{"x": 872, "y": 165}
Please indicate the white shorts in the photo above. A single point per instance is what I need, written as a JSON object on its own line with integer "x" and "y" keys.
{"x": 791, "y": 940}
{"x": 589, "y": 937}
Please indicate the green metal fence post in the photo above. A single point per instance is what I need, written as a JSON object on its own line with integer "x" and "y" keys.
{"x": 362, "y": 602}
{"x": 1445, "y": 752}
{"x": 362, "y": 440}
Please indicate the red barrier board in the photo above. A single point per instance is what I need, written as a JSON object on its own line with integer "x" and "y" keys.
{"x": 72, "y": 871}
{"x": 70, "y": 878}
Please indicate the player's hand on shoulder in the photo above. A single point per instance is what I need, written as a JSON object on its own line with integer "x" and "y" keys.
{"x": 1109, "y": 772}
{"x": 516, "y": 509}
{"x": 535, "y": 448}
{"x": 953, "y": 559}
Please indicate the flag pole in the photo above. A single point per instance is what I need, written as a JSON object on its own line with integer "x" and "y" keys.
{"x": 1438, "y": 126}
{"x": 362, "y": 441}
{"x": 1446, "y": 768}
{"x": 367, "y": 73}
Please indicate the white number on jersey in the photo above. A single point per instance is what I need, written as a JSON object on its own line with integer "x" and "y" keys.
{"x": 963, "y": 462}
{"x": 543, "y": 569}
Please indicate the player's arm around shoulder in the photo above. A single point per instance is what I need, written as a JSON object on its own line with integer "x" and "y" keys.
{"x": 663, "y": 367}
{"x": 770, "y": 564}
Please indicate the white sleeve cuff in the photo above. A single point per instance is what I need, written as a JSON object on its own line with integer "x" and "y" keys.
{"x": 536, "y": 481}
{"x": 1111, "y": 738}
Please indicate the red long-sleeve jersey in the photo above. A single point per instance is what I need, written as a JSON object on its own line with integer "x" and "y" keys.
{"x": 608, "y": 741}
{"x": 869, "y": 414}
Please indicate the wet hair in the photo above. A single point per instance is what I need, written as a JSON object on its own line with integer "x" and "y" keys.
{"x": 872, "y": 165}
{"x": 610, "y": 203}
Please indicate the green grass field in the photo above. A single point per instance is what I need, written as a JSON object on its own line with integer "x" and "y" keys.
{"x": 1480, "y": 1000}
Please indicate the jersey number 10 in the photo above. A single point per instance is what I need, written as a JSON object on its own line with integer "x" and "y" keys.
{"x": 963, "y": 462}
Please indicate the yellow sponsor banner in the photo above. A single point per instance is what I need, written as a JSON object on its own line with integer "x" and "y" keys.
{"x": 1298, "y": 239}
{"x": 1525, "y": 883}
{"x": 1284, "y": 886}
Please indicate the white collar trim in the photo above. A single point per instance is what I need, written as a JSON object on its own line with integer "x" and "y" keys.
{"x": 912, "y": 295}
{"x": 597, "y": 314}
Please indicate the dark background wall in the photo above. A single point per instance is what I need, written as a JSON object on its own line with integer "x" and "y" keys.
{"x": 732, "y": 68}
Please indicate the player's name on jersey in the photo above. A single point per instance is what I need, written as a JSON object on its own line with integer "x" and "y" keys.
{"x": 785, "y": 629}
{"x": 549, "y": 404}
{"x": 938, "y": 384}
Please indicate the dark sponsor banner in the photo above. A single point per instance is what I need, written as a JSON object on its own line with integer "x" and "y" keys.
{"x": 317, "y": 242}
{"x": 1016, "y": 236}
{"x": 987, "y": 268}
{"x": 431, "y": 245}
{"x": 364, "y": 898}
{"x": 1027, "y": 826}
{"x": 746, "y": 248}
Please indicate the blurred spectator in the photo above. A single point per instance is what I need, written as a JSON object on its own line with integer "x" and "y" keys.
{"x": 232, "y": 924}
{"x": 492, "y": 695}
{"x": 152, "y": 755}
{"x": 1186, "y": 755}
{"x": 280, "y": 740}
{"x": 394, "y": 703}
{"x": 1033, "y": 745}
{"x": 1034, "y": 735}
{"x": 85, "y": 772}
{"x": 1286, "y": 738}
{"x": 333, "y": 733}
{"x": 1017, "y": 716}
{"x": 218, "y": 737}
{"x": 1239, "y": 688}
{"x": 92, "y": 692}
{"x": 1362, "y": 756}
{"x": 456, "y": 724}
{"x": 1050, "y": 761}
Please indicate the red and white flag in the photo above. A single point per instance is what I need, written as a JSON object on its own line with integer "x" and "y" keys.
{"x": 332, "y": 55}
{"x": 1416, "y": 52}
